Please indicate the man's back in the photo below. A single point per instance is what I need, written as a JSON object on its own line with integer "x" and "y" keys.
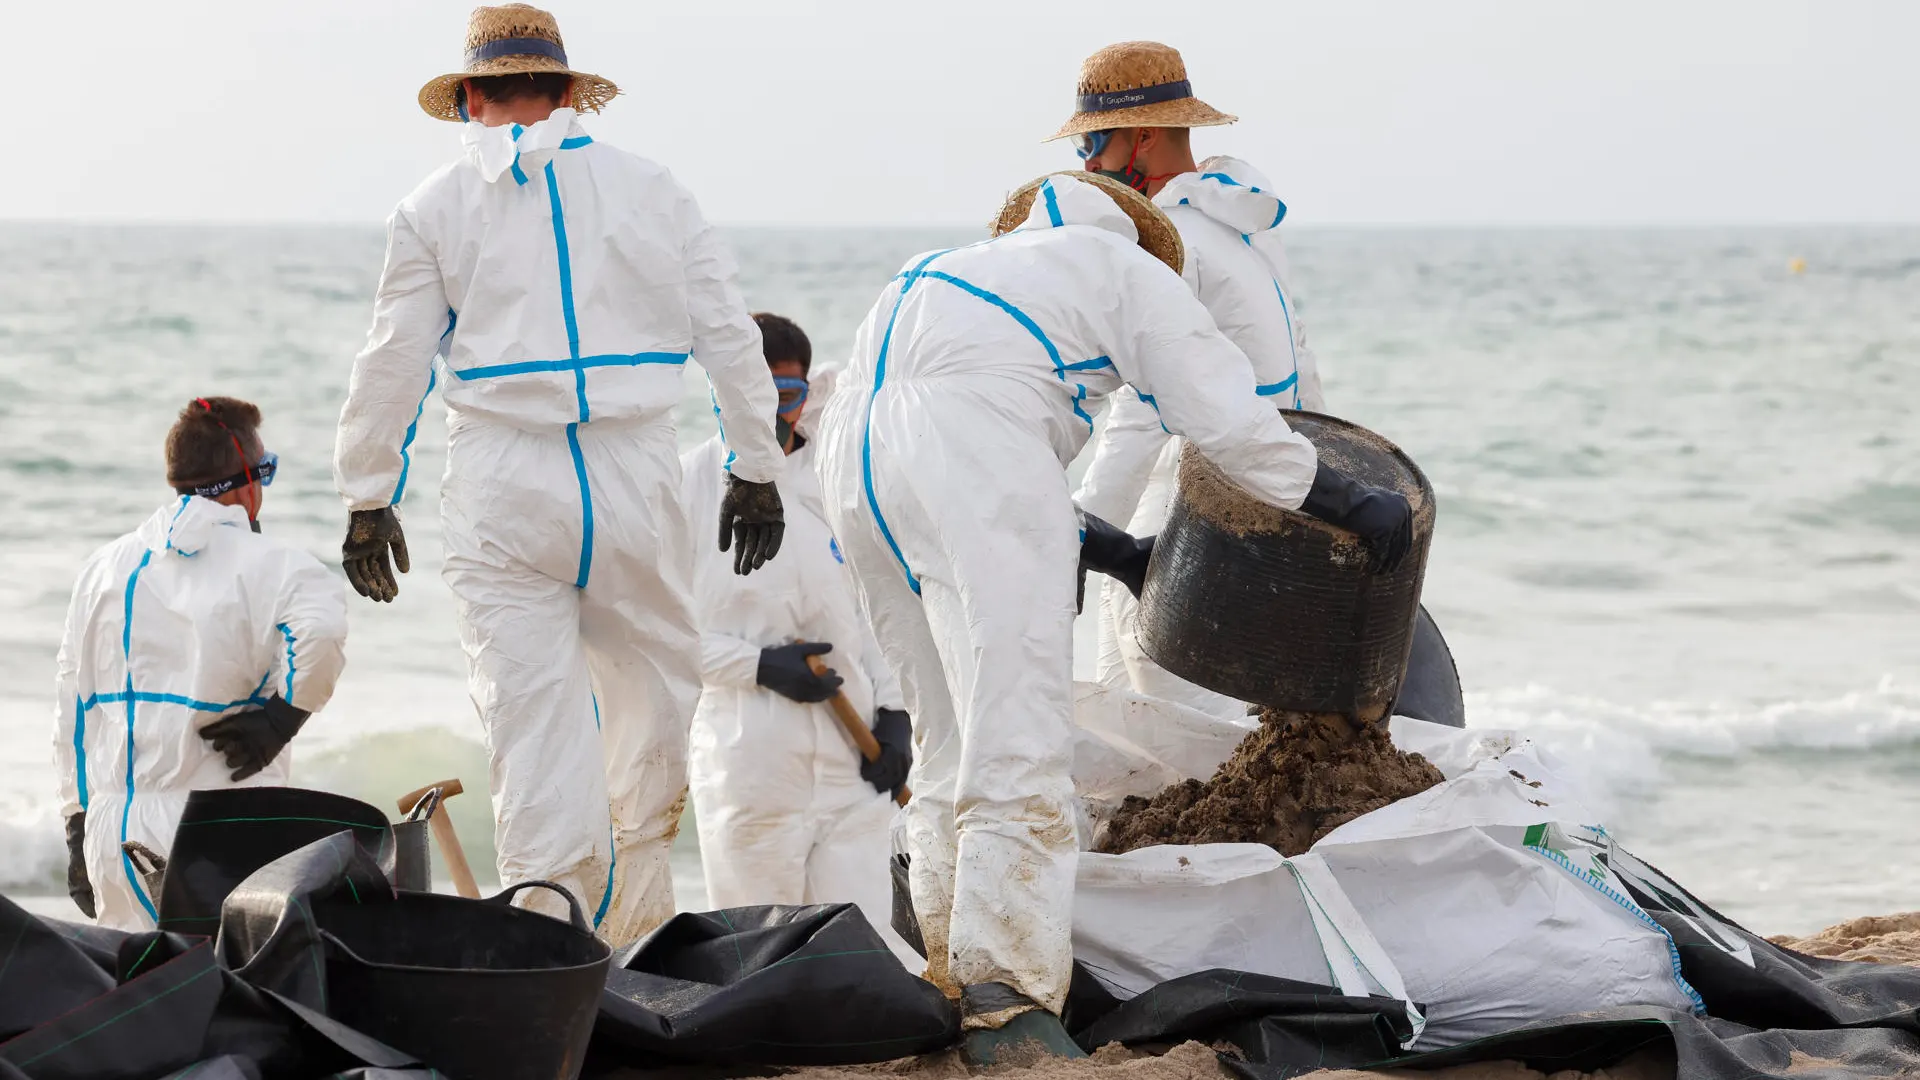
{"x": 568, "y": 270}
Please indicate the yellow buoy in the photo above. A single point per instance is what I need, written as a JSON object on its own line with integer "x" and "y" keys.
{"x": 1797, "y": 264}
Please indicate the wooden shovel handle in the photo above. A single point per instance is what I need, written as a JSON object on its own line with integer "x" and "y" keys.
{"x": 856, "y": 728}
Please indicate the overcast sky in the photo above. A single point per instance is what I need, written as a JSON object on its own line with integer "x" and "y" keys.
{"x": 1452, "y": 112}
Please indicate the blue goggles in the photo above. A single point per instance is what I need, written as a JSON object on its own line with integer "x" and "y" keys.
{"x": 260, "y": 473}
{"x": 793, "y": 394}
{"x": 1091, "y": 144}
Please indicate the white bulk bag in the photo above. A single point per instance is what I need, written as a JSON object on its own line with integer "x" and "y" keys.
{"x": 1159, "y": 913}
{"x": 1488, "y": 893}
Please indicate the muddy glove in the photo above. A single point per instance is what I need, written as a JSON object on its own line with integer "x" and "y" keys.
{"x": 1383, "y": 518}
{"x": 78, "y": 886}
{"x": 893, "y": 730}
{"x": 751, "y": 517}
{"x": 784, "y": 670}
{"x": 370, "y": 533}
{"x": 1114, "y": 552}
{"x": 252, "y": 739}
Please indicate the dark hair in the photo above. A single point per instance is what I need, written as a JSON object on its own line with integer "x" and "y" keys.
{"x": 200, "y": 445}
{"x": 781, "y": 340}
{"x": 554, "y": 86}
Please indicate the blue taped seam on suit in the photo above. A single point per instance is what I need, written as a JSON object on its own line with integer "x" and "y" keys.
{"x": 579, "y": 376}
{"x": 528, "y": 367}
{"x": 866, "y": 436}
{"x": 80, "y": 750}
{"x": 413, "y": 430}
{"x": 149, "y": 697}
{"x": 1287, "y": 314}
{"x": 287, "y": 632}
{"x": 606, "y": 898}
{"x": 178, "y": 510}
{"x": 586, "y": 507}
{"x": 126, "y": 811}
{"x": 1053, "y": 204}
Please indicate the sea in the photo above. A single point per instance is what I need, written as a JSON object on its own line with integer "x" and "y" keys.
{"x": 1678, "y": 476}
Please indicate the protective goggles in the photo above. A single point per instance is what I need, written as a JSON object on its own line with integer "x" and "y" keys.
{"x": 793, "y": 394}
{"x": 1091, "y": 144}
{"x": 261, "y": 473}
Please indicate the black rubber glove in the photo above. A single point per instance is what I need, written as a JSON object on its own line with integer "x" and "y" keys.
{"x": 1382, "y": 518}
{"x": 893, "y": 730}
{"x": 78, "y": 886}
{"x": 784, "y": 670}
{"x": 1114, "y": 552}
{"x": 752, "y": 518}
{"x": 370, "y": 534}
{"x": 252, "y": 739}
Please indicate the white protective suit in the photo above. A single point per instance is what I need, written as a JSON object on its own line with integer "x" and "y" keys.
{"x": 944, "y": 457}
{"x": 1229, "y": 222}
{"x": 190, "y": 618}
{"x": 565, "y": 283}
{"x": 784, "y": 816}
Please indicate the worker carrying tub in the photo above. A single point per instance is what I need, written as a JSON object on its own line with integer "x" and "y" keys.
{"x": 971, "y": 386}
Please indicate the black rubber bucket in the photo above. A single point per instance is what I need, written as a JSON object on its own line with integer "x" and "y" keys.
{"x": 1274, "y": 607}
{"x": 478, "y": 989}
{"x": 226, "y": 834}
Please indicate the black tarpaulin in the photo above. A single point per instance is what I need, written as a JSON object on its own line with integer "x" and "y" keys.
{"x": 768, "y": 985}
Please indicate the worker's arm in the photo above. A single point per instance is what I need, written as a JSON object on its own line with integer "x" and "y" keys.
{"x": 726, "y": 660}
{"x": 726, "y": 343}
{"x": 67, "y": 729}
{"x": 1123, "y": 457}
{"x": 309, "y": 642}
{"x": 393, "y": 373}
{"x": 1202, "y": 386}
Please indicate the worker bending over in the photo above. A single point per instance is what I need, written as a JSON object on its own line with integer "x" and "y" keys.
{"x": 972, "y": 385}
{"x": 1133, "y": 111}
{"x": 196, "y": 646}
{"x": 564, "y": 284}
{"x": 788, "y": 810}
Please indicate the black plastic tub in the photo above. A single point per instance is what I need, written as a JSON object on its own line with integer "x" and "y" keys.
{"x": 477, "y": 989}
{"x": 1275, "y": 607}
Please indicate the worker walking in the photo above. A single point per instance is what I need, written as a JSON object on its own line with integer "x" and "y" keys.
{"x": 788, "y": 810}
{"x": 564, "y": 284}
{"x": 1133, "y": 113}
{"x": 971, "y": 387}
{"x": 196, "y": 646}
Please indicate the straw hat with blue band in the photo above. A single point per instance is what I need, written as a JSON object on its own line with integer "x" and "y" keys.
{"x": 514, "y": 39}
{"x": 1136, "y": 84}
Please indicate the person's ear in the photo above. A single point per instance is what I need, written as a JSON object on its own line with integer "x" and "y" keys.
{"x": 1150, "y": 139}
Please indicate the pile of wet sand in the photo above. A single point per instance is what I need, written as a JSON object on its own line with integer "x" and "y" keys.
{"x": 1880, "y": 939}
{"x": 1290, "y": 782}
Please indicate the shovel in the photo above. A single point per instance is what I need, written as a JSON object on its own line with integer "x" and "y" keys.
{"x": 857, "y": 728}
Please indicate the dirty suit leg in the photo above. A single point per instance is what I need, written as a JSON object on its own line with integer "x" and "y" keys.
{"x": 900, "y": 626}
{"x": 644, "y": 651}
{"x": 988, "y": 665}
{"x": 510, "y": 509}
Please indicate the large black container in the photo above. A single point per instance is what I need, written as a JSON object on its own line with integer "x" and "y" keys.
{"x": 1274, "y": 607}
{"x": 226, "y": 834}
{"x": 477, "y": 989}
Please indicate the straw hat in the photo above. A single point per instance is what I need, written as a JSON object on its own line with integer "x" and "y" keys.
{"x": 1157, "y": 234}
{"x": 514, "y": 39}
{"x": 1136, "y": 84}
